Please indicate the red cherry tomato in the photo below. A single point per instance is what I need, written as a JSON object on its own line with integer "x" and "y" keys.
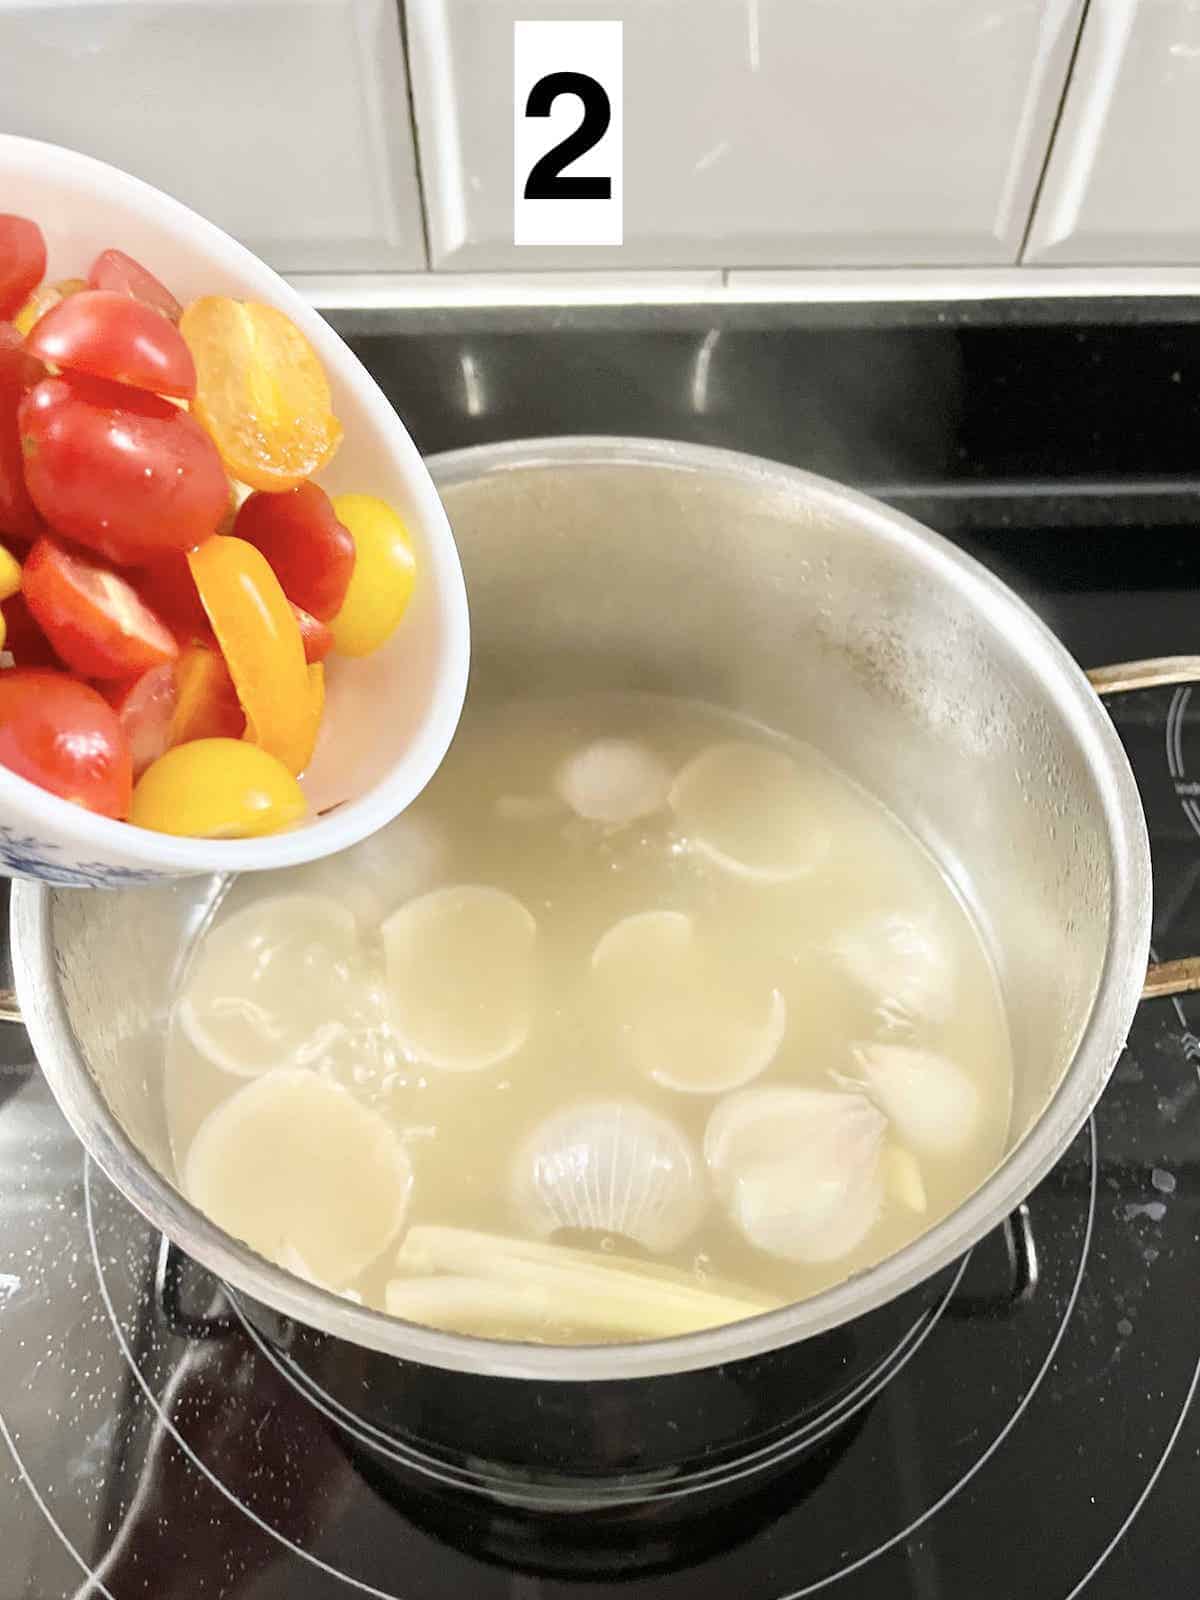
{"x": 24, "y": 639}
{"x": 145, "y": 708}
{"x": 22, "y": 261}
{"x": 63, "y": 736}
{"x": 316, "y": 636}
{"x": 18, "y": 370}
{"x": 113, "y": 269}
{"x": 91, "y": 615}
{"x": 309, "y": 550}
{"x": 119, "y": 469}
{"x": 108, "y": 335}
{"x": 168, "y": 588}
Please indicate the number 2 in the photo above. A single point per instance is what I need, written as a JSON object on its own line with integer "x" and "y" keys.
{"x": 546, "y": 179}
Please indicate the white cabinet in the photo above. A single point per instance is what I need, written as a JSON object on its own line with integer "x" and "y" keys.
{"x": 1121, "y": 185}
{"x": 286, "y": 121}
{"x": 763, "y": 132}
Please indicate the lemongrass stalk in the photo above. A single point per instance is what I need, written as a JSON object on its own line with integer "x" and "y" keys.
{"x": 623, "y": 1297}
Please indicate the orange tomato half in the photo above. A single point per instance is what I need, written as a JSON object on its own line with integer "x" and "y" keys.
{"x": 261, "y": 392}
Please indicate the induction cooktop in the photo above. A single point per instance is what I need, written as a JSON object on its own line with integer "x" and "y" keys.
{"x": 1041, "y": 1437}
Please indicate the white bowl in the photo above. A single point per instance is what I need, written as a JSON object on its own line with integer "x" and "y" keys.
{"x": 389, "y": 717}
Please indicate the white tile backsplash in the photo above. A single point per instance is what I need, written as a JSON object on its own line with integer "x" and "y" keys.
{"x": 1121, "y": 183}
{"x": 286, "y": 121}
{"x": 764, "y": 132}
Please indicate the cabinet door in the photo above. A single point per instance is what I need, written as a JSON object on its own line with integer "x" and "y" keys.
{"x": 286, "y": 121}
{"x": 763, "y": 132}
{"x": 1121, "y": 182}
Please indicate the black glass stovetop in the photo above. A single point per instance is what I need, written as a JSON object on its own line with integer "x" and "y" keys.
{"x": 1041, "y": 1438}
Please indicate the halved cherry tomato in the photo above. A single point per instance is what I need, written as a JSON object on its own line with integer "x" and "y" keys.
{"x": 206, "y": 705}
{"x": 63, "y": 736}
{"x": 217, "y": 789}
{"x": 18, "y": 370}
{"x": 145, "y": 708}
{"x": 168, "y": 588}
{"x": 108, "y": 335}
{"x": 24, "y": 639}
{"x": 42, "y": 299}
{"x": 91, "y": 615}
{"x": 317, "y": 637}
{"x": 260, "y": 640}
{"x": 261, "y": 392}
{"x": 119, "y": 469}
{"x": 310, "y": 552}
{"x": 22, "y": 261}
{"x": 384, "y": 573}
{"x": 113, "y": 269}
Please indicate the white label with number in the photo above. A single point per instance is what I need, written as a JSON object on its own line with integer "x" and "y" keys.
{"x": 567, "y": 133}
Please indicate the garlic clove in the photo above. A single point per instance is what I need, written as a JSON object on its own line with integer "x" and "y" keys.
{"x": 750, "y": 810}
{"x": 460, "y": 973}
{"x": 902, "y": 1178}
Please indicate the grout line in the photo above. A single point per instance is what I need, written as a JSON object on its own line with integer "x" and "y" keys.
{"x": 1050, "y": 143}
{"x": 410, "y": 100}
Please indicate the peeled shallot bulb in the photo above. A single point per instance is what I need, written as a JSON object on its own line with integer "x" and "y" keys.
{"x": 931, "y": 1102}
{"x": 687, "y": 1021}
{"x": 752, "y": 811}
{"x": 798, "y": 1170}
{"x": 902, "y": 963}
{"x": 609, "y": 1167}
{"x": 613, "y": 781}
{"x": 460, "y": 972}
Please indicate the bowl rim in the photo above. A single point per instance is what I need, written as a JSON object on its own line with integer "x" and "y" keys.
{"x": 1116, "y": 998}
{"x": 353, "y": 820}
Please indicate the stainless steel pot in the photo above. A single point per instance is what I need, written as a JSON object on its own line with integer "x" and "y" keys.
{"x": 634, "y": 564}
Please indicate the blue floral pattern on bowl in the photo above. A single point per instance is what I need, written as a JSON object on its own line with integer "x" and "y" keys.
{"x": 22, "y": 855}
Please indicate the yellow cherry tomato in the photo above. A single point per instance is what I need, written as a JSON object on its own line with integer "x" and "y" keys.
{"x": 10, "y": 575}
{"x": 261, "y": 392}
{"x": 381, "y": 584}
{"x": 217, "y": 789}
{"x": 260, "y": 639}
{"x": 41, "y": 301}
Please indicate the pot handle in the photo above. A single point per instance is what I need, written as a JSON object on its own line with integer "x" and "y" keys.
{"x": 207, "y": 1324}
{"x": 1162, "y": 977}
{"x": 1021, "y": 1257}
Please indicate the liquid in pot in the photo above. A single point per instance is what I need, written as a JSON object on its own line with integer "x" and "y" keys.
{"x": 640, "y": 1020}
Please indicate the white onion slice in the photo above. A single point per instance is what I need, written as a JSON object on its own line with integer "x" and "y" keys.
{"x": 687, "y": 1022}
{"x": 272, "y": 983}
{"x": 750, "y": 810}
{"x": 304, "y": 1173}
{"x": 460, "y": 967}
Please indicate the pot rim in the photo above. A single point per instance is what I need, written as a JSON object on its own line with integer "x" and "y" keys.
{"x": 1103, "y": 1037}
